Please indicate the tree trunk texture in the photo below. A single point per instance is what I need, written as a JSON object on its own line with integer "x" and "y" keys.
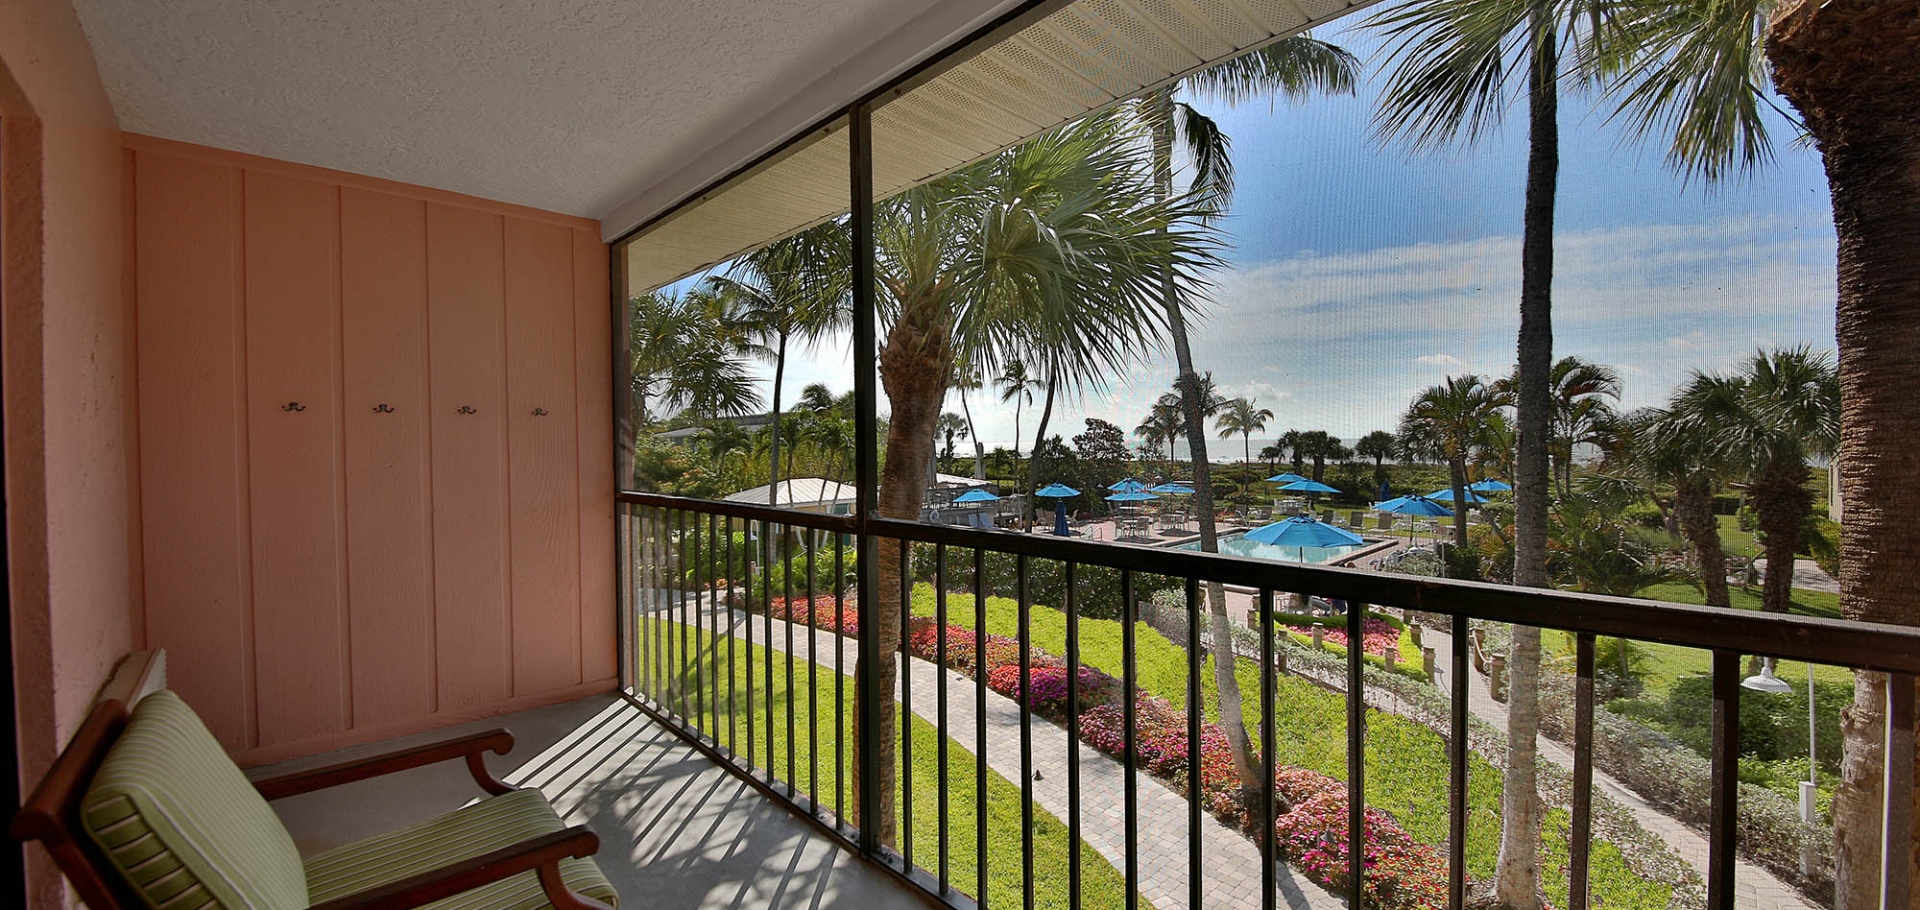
{"x": 979, "y": 448}
{"x": 1517, "y": 872}
{"x": 1848, "y": 66}
{"x": 1232, "y": 719}
{"x": 1033, "y": 462}
{"x": 914, "y": 366}
{"x": 1693, "y": 507}
{"x": 773, "y": 445}
{"x": 1781, "y": 501}
{"x": 1457, "y": 475}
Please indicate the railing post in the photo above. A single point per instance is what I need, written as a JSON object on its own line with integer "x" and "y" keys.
{"x": 866, "y": 471}
{"x": 1723, "y": 808}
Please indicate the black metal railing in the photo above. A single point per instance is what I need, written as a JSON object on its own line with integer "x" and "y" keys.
{"x": 718, "y": 647}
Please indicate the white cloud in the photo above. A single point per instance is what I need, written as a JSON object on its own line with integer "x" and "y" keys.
{"x": 1341, "y": 340}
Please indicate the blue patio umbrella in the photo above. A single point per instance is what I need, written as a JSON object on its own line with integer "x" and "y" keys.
{"x": 1056, "y": 489}
{"x": 975, "y": 496}
{"x": 1127, "y": 486}
{"x": 1308, "y": 486}
{"x": 1386, "y": 490}
{"x": 1301, "y": 531}
{"x": 1173, "y": 489}
{"x": 1288, "y": 477}
{"x": 1491, "y": 486}
{"x": 1132, "y": 496}
{"x": 1060, "y": 519}
{"x": 1447, "y": 496}
{"x": 1414, "y": 505}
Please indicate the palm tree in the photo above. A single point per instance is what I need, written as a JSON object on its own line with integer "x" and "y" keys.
{"x": 1764, "y": 424}
{"x": 792, "y": 288}
{"x": 1846, "y": 66}
{"x": 967, "y": 379}
{"x": 1294, "y": 442}
{"x": 1241, "y": 417}
{"x": 1675, "y": 447}
{"x": 1322, "y": 447}
{"x": 1458, "y": 62}
{"x": 1447, "y": 419}
{"x": 1068, "y": 229}
{"x": 816, "y": 397}
{"x": 1379, "y": 446}
{"x": 1292, "y": 67}
{"x": 950, "y": 426}
{"x": 1162, "y": 425}
{"x": 1016, "y": 385}
{"x": 1582, "y": 412}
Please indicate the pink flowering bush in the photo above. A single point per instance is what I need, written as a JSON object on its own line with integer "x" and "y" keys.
{"x": 1377, "y": 636}
{"x": 818, "y": 613}
{"x": 1049, "y": 680}
{"x": 1400, "y": 873}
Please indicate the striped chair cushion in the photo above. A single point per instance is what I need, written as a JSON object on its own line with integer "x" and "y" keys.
{"x": 477, "y": 829}
{"x": 174, "y": 814}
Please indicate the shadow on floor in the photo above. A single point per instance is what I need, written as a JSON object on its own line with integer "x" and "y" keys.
{"x": 677, "y": 832}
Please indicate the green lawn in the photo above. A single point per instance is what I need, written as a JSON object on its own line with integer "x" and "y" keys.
{"x": 1406, "y": 762}
{"x": 1101, "y": 884}
{"x": 1736, "y": 541}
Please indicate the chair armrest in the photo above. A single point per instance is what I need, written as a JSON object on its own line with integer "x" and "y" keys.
{"x": 470, "y": 747}
{"x": 542, "y": 854}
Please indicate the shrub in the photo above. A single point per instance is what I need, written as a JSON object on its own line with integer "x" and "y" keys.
{"x": 1377, "y": 635}
{"x": 1049, "y": 681}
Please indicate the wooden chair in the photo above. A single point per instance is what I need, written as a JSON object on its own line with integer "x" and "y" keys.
{"x": 53, "y": 815}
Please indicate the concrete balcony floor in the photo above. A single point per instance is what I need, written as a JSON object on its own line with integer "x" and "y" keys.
{"x": 677, "y": 832}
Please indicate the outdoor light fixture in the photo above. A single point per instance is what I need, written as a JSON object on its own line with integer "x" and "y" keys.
{"x": 1766, "y": 681}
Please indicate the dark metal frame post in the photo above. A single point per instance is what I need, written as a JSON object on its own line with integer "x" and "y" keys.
{"x": 866, "y": 463}
{"x": 1723, "y": 809}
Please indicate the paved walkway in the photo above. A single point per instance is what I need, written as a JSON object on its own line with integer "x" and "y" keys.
{"x": 1755, "y": 888}
{"x": 1807, "y": 576}
{"x": 1230, "y": 863}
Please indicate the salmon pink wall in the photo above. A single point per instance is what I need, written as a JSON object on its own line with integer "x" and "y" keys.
{"x": 63, "y": 330}
{"x": 375, "y": 487}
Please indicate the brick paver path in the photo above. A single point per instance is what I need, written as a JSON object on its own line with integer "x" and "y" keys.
{"x": 1230, "y": 863}
{"x": 1754, "y": 887}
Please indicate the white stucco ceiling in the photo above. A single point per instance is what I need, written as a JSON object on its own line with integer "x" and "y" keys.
{"x": 577, "y": 106}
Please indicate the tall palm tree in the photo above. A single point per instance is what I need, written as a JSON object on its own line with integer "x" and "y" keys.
{"x": 1067, "y": 228}
{"x": 792, "y": 289}
{"x": 1016, "y": 385}
{"x": 1448, "y": 419}
{"x": 1163, "y": 424}
{"x": 1846, "y": 66}
{"x": 1242, "y": 417}
{"x": 967, "y": 379}
{"x": 1765, "y": 423}
{"x": 1459, "y": 62}
{"x": 1293, "y": 68}
{"x": 1294, "y": 442}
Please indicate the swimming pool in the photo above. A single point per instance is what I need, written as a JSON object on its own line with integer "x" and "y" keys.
{"x": 1239, "y": 545}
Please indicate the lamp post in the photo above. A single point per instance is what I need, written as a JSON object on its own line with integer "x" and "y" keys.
{"x": 1767, "y": 682}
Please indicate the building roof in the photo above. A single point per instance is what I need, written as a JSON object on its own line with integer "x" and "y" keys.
{"x": 799, "y": 491}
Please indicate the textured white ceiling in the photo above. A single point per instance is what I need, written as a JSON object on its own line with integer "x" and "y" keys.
{"x": 575, "y": 106}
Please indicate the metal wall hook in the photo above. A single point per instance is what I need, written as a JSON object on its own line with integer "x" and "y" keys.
{"x": 293, "y": 406}
{"x": 466, "y": 409}
{"x": 539, "y": 412}
{"x": 383, "y": 408}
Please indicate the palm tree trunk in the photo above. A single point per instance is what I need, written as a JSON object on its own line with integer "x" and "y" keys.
{"x": 1246, "y": 455}
{"x": 914, "y": 366}
{"x": 1781, "y": 501}
{"x": 1846, "y": 65}
{"x": 1517, "y": 872}
{"x": 1457, "y": 474}
{"x": 1693, "y": 508}
{"x": 773, "y": 456}
{"x": 1220, "y": 626}
{"x": 1033, "y": 464}
{"x": 979, "y": 448}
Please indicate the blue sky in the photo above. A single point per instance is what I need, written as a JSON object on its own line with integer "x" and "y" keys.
{"x": 1361, "y": 272}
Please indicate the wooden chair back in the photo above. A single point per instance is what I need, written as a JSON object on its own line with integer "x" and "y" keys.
{"x": 51, "y": 814}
